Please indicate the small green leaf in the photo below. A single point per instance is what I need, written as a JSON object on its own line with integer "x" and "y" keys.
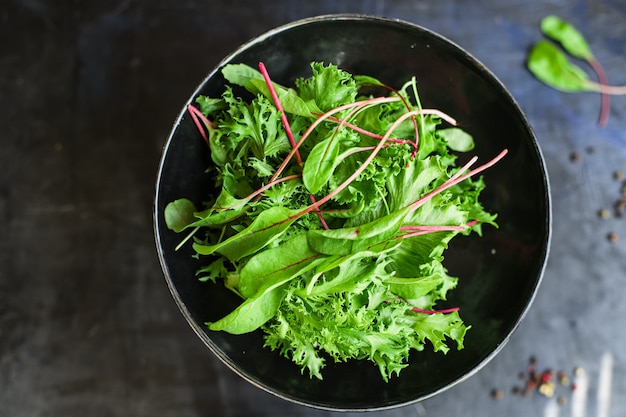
{"x": 412, "y": 289}
{"x": 225, "y": 209}
{"x": 552, "y": 66}
{"x": 457, "y": 139}
{"x": 179, "y": 214}
{"x": 366, "y": 80}
{"x": 320, "y": 164}
{"x": 241, "y": 75}
{"x": 251, "y": 314}
{"x": 209, "y": 105}
{"x": 567, "y": 35}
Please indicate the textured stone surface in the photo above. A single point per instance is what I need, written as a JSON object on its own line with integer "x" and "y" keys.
{"x": 88, "y": 92}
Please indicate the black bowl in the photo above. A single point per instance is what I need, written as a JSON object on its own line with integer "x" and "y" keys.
{"x": 499, "y": 272}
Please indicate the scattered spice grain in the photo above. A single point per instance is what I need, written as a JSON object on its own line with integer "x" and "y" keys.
{"x": 604, "y": 214}
{"x": 496, "y": 393}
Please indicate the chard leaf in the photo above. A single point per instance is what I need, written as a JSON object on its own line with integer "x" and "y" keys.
{"x": 351, "y": 274}
{"x": 252, "y": 313}
{"x": 567, "y": 35}
{"x": 347, "y": 240}
{"x": 279, "y": 264}
{"x": 265, "y": 228}
{"x": 551, "y": 66}
{"x": 412, "y": 289}
{"x": 179, "y": 214}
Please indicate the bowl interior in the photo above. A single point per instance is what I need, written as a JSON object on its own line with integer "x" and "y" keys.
{"x": 499, "y": 272}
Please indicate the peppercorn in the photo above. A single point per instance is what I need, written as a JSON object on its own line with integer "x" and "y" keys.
{"x": 618, "y": 175}
{"x": 496, "y": 393}
{"x": 613, "y": 237}
{"x": 574, "y": 157}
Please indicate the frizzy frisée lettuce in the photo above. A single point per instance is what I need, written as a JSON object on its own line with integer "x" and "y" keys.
{"x": 334, "y": 213}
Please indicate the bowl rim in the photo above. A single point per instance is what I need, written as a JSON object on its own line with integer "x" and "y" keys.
{"x": 544, "y": 254}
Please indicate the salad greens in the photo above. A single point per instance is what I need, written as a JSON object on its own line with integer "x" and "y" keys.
{"x": 334, "y": 212}
{"x": 551, "y": 65}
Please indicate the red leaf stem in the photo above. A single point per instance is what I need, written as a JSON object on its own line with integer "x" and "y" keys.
{"x": 433, "y": 228}
{"x": 260, "y": 191}
{"x": 196, "y": 116}
{"x": 444, "y": 311}
{"x": 361, "y": 168}
{"x": 283, "y": 118}
{"x": 279, "y": 107}
{"x": 457, "y": 178}
{"x": 605, "y": 97}
{"x": 323, "y": 117}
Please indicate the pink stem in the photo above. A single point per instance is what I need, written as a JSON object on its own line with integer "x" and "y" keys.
{"x": 361, "y": 168}
{"x": 283, "y": 117}
{"x": 280, "y": 109}
{"x": 606, "y": 99}
{"x": 445, "y": 311}
{"x": 195, "y": 116}
{"x": 441, "y": 115}
{"x": 442, "y": 228}
{"x": 319, "y": 120}
{"x": 457, "y": 178}
{"x": 370, "y": 134}
{"x": 260, "y": 191}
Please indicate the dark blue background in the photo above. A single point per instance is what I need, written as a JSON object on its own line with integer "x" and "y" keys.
{"x": 88, "y": 94}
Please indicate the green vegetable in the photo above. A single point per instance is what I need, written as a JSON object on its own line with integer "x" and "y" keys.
{"x": 334, "y": 214}
{"x": 552, "y": 65}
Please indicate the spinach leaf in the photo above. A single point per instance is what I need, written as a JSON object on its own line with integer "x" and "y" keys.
{"x": 179, "y": 214}
{"x": 551, "y": 65}
{"x": 567, "y": 35}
